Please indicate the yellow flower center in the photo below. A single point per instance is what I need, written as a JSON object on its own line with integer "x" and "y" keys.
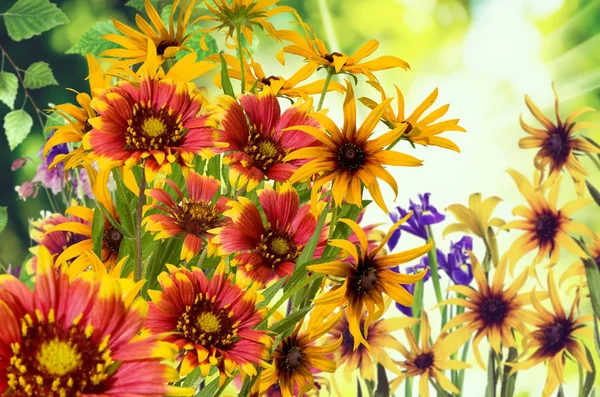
{"x": 267, "y": 149}
{"x": 58, "y": 357}
{"x": 154, "y": 127}
{"x": 279, "y": 245}
{"x": 208, "y": 322}
{"x": 197, "y": 217}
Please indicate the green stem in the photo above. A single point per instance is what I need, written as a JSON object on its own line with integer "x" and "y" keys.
{"x": 580, "y": 370}
{"x": 325, "y": 87}
{"x": 222, "y": 388}
{"x": 238, "y": 36}
{"x": 440, "y": 392}
{"x": 138, "y": 227}
{"x": 408, "y": 387}
{"x": 461, "y": 373}
{"x": 433, "y": 265}
{"x": 492, "y": 375}
{"x": 417, "y": 305}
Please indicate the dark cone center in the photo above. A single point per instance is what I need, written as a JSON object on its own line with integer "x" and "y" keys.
{"x": 556, "y": 336}
{"x": 350, "y": 156}
{"x": 424, "y": 361}
{"x": 493, "y": 311}
{"x": 112, "y": 238}
{"x": 368, "y": 280}
{"x": 409, "y": 128}
{"x": 329, "y": 57}
{"x": 163, "y": 45}
{"x": 545, "y": 227}
{"x": 294, "y": 358}
{"x": 87, "y": 127}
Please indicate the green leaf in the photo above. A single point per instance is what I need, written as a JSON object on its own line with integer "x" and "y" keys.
{"x": 383, "y": 386}
{"x": 509, "y": 381}
{"x": 17, "y": 125}
{"x": 9, "y": 85}
{"x": 124, "y": 203}
{"x": 270, "y": 292}
{"x": 214, "y": 167}
{"x": 593, "y": 280}
{"x": 98, "y": 232}
{"x": 3, "y": 218}
{"x": 590, "y": 378}
{"x": 91, "y": 41}
{"x": 593, "y": 192}
{"x": 113, "y": 221}
{"x": 39, "y": 75}
{"x": 28, "y": 18}
{"x": 490, "y": 390}
{"x": 290, "y": 321}
{"x": 209, "y": 390}
{"x": 166, "y": 251}
{"x": 225, "y": 81}
{"x": 139, "y": 4}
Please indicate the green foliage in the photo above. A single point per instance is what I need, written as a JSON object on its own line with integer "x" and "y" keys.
{"x": 225, "y": 81}
{"x": 139, "y": 4}
{"x": 286, "y": 325}
{"x": 91, "y": 41}
{"x": 593, "y": 279}
{"x": 9, "y": 85}
{"x": 39, "y": 75}
{"x": 588, "y": 386}
{"x": 210, "y": 389}
{"x": 166, "y": 251}
{"x": 53, "y": 120}
{"x": 98, "y": 232}
{"x": 17, "y": 125}
{"x": 28, "y": 18}
{"x": 3, "y": 218}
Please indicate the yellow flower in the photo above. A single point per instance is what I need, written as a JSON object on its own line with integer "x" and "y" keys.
{"x": 557, "y": 145}
{"x": 554, "y": 336}
{"x": 347, "y": 157}
{"x": 167, "y": 41}
{"x": 577, "y": 268}
{"x": 418, "y": 130}
{"x": 429, "y": 361}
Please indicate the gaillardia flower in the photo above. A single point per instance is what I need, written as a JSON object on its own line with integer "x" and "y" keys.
{"x": 545, "y": 227}
{"x": 167, "y": 41}
{"x": 366, "y": 277}
{"x": 270, "y": 250}
{"x": 154, "y": 121}
{"x": 210, "y": 322}
{"x": 259, "y": 137}
{"x": 422, "y": 131}
{"x": 76, "y": 336}
{"x": 194, "y": 216}
{"x": 557, "y": 146}
{"x": 555, "y": 336}
{"x": 429, "y": 361}
{"x": 348, "y": 157}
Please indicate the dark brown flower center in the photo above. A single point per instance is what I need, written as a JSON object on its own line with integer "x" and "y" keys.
{"x": 409, "y": 128}
{"x": 204, "y": 324}
{"x": 350, "y": 156}
{"x": 150, "y": 129}
{"x": 424, "y": 361}
{"x": 112, "y": 238}
{"x": 87, "y": 127}
{"x": 294, "y": 358}
{"x": 163, "y": 45}
{"x": 197, "y": 217}
{"x": 264, "y": 151}
{"x": 277, "y": 247}
{"x": 546, "y": 227}
{"x": 558, "y": 147}
{"x": 268, "y": 80}
{"x": 493, "y": 311}
{"x": 330, "y": 57}
{"x": 367, "y": 280}
{"x": 556, "y": 336}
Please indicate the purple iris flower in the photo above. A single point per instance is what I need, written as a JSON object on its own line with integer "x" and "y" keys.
{"x": 458, "y": 264}
{"x": 424, "y": 214}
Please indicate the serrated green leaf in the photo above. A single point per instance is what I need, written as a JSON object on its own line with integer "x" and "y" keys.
{"x": 139, "y": 4}
{"x": 225, "y": 81}
{"x": 28, "y": 18}
{"x": 17, "y": 125}
{"x": 39, "y": 75}
{"x": 91, "y": 41}
{"x": 3, "y": 218}
{"x": 9, "y": 85}
{"x": 98, "y": 232}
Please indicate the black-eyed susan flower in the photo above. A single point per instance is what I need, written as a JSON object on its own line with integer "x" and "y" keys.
{"x": 77, "y": 336}
{"x": 194, "y": 216}
{"x": 555, "y": 337}
{"x": 545, "y": 226}
{"x": 365, "y": 278}
{"x": 420, "y": 130}
{"x": 492, "y": 309}
{"x": 557, "y": 146}
{"x": 313, "y": 49}
{"x": 348, "y": 158}
{"x": 210, "y": 321}
{"x": 430, "y": 361}
{"x": 258, "y": 137}
{"x": 167, "y": 40}
{"x": 268, "y": 250}
{"x": 379, "y": 337}
{"x": 298, "y": 355}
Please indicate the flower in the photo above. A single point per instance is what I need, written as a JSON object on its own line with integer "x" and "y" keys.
{"x": 492, "y": 310}
{"x": 314, "y": 50}
{"x": 457, "y": 264}
{"x": 297, "y": 355}
{"x": 194, "y": 217}
{"x": 424, "y": 215}
{"x": 365, "y": 279}
{"x": 269, "y": 251}
{"x": 154, "y": 122}
{"x": 78, "y": 336}
{"x": 379, "y": 336}
{"x": 211, "y": 322}
{"x": 348, "y": 157}
{"x": 429, "y": 361}
{"x": 258, "y": 146}
{"x": 554, "y": 338}
{"x": 421, "y": 132}
{"x": 545, "y": 227}
{"x": 577, "y": 268}
{"x": 476, "y": 218}
{"x": 557, "y": 147}
{"x": 167, "y": 42}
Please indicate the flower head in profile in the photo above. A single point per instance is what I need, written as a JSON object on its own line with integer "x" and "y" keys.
{"x": 210, "y": 321}
{"x": 556, "y": 336}
{"x": 577, "y": 268}
{"x": 194, "y": 216}
{"x": 268, "y": 250}
{"x": 545, "y": 227}
{"x": 168, "y": 40}
{"x": 420, "y": 130}
{"x": 365, "y": 279}
{"x": 348, "y": 158}
{"x": 430, "y": 361}
{"x": 424, "y": 214}
{"x": 79, "y": 336}
{"x": 558, "y": 148}
{"x": 457, "y": 264}
{"x": 259, "y": 137}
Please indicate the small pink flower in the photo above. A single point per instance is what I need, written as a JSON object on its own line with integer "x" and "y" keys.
{"x": 18, "y": 163}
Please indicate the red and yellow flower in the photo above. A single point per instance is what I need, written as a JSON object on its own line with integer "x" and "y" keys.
{"x": 210, "y": 321}
{"x": 77, "y": 336}
{"x": 270, "y": 250}
{"x": 194, "y": 216}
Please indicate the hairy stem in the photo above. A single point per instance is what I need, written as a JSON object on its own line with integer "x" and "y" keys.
{"x": 238, "y": 37}
{"x": 325, "y": 87}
